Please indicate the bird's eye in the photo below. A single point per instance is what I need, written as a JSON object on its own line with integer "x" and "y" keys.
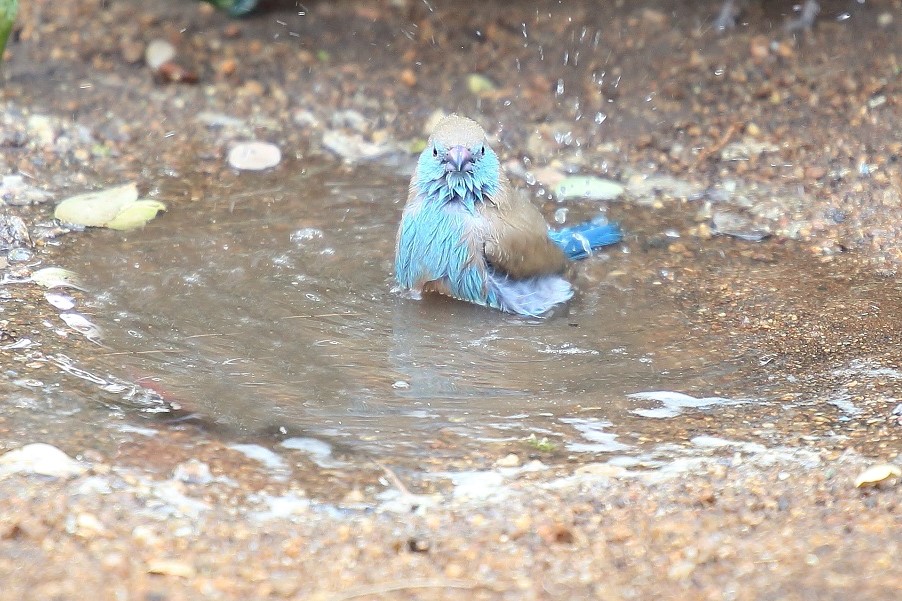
{"x": 434, "y": 151}
{"x": 482, "y": 150}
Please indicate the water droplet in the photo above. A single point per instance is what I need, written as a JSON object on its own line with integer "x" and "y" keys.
{"x": 530, "y": 178}
{"x": 307, "y": 233}
{"x": 560, "y": 216}
{"x": 600, "y": 118}
{"x": 560, "y": 87}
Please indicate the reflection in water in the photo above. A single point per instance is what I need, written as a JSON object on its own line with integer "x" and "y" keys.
{"x": 274, "y": 312}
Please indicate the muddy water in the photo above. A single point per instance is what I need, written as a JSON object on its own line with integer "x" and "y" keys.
{"x": 266, "y": 309}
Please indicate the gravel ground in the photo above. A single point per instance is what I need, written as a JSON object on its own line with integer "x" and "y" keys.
{"x": 755, "y": 134}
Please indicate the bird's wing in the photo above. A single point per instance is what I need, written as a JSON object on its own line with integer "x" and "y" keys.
{"x": 516, "y": 241}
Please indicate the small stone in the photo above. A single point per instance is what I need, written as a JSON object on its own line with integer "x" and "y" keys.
{"x": 41, "y": 130}
{"x": 170, "y": 567}
{"x": 588, "y": 188}
{"x": 252, "y": 88}
{"x": 784, "y": 49}
{"x": 173, "y": 72}
{"x": 654, "y": 17}
{"x": 227, "y": 67}
{"x": 13, "y": 232}
{"x": 131, "y": 51}
{"x": 86, "y": 525}
{"x": 350, "y": 119}
{"x": 60, "y": 300}
{"x": 510, "y": 460}
{"x": 19, "y": 255}
{"x": 704, "y": 231}
{"x": 158, "y": 53}
{"x": 878, "y": 474}
{"x": 41, "y": 460}
{"x": 193, "y": 471}
{"x": 815, "y": 172}
{"x": 759, "y": 47}
{"x": 254, "y": 156}
{"x": 408, "y": 78}
{"x": 734, "y": 225}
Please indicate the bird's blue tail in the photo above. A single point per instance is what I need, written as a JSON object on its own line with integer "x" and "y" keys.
{"x": 579, "y": 241}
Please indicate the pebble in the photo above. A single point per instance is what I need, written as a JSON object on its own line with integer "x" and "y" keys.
{"x": 41, "y": 130}
{"x": 40, "y": 459}
{"x": 171, "y": 567}
{"x": 589, "y": 188}
{"x": 353, "y": 147}
{"x": 85, "y": 525}
{"x": 737, "y": 226}
{"x": 350, "y": 119}
{"x": 254, "y": 156}
{"x": 509, "y": 460}
{"x": 19, "y": 255}
{"x": 193, "y": 471}
{"x": 15, "y": 191}
{"x": 158, "y": 53}
{"x": 60, "y": 300}
{"x": 82, "y": 325}
{"x": 878, "y": 474}
{"x": 408, "y": 78}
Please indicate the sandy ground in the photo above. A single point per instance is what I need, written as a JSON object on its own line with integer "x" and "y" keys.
{"x": 756, "y": 134}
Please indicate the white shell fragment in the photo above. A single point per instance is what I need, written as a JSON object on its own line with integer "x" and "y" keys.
{"x": 158, "y": 52}
{"x": 878, "y": 474}
{"x": 60, "y": 300}
{"x": 117, "y": 208}
{"x": 80, "y": 324}
{"x": 254, "y": 156}
{"x": 354, "y": 148}
{"x": 40, "y": 459}
{"x": 587, "y": 187}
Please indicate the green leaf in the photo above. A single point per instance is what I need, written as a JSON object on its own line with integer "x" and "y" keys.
{"x": 479, "y": 84}
{"x": 136, "y": 215}
{"x": 116, "y": 208}
{"x": 8, "y": 10}
{"x": 56, "y": 277}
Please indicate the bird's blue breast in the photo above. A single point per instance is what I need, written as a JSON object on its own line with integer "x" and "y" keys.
{"x": 435, "y": 244}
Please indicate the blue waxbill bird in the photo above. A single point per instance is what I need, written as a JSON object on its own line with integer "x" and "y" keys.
{"x": 467, "y": 234}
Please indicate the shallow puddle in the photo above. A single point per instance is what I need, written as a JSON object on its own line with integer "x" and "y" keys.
{"x": 266, "y": 309}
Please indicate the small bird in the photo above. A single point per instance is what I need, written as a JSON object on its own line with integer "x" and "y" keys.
{"x": 467, "y": 234}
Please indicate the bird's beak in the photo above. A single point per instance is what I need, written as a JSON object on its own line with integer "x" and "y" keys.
{"x": 458, "y": 159}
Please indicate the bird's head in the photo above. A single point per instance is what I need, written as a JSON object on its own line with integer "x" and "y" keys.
{"x": 457, "y": 163}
